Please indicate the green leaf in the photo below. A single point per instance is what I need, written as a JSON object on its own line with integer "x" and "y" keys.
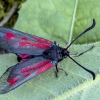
{"x": 61, "y": 21}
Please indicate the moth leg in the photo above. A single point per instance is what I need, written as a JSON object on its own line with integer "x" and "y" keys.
{"x": 77, "y": 55}
{"x": 66, "y": 45}
{"x": 57, "y": 70}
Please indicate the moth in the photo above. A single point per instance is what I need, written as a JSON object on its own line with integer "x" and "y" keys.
{"x": 35, "y": 55}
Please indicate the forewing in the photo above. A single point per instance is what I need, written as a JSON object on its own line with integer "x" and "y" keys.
{"x": 13, "y": 41}
{"x": 22, "y": 72}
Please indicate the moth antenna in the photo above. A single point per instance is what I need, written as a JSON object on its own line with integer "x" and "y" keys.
{"x": 92, "y": 73}
{"x": 92, "y": 26}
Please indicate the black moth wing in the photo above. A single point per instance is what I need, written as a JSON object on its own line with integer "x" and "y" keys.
{"x": 22, "y": 72}
{"x": 22, "y": 44}
{"x": 13, "y": 41}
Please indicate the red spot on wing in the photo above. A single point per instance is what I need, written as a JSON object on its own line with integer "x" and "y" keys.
{"x": 27, "y": 74}
{"x": 31, "y": 68}
{"x": 23, "y": 60}
{"x": 23, "y": 55}
{"x": 24, "y": 38}
{"x": 13, "y": 81}
{"x": 9, "y": 35}
{"x": 43, "y": 41}
{"x": 37, "y": 45}
{"x": 45, "y": 68}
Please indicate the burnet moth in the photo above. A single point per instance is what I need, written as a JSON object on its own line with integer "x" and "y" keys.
{"x": 35, "y": 56}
